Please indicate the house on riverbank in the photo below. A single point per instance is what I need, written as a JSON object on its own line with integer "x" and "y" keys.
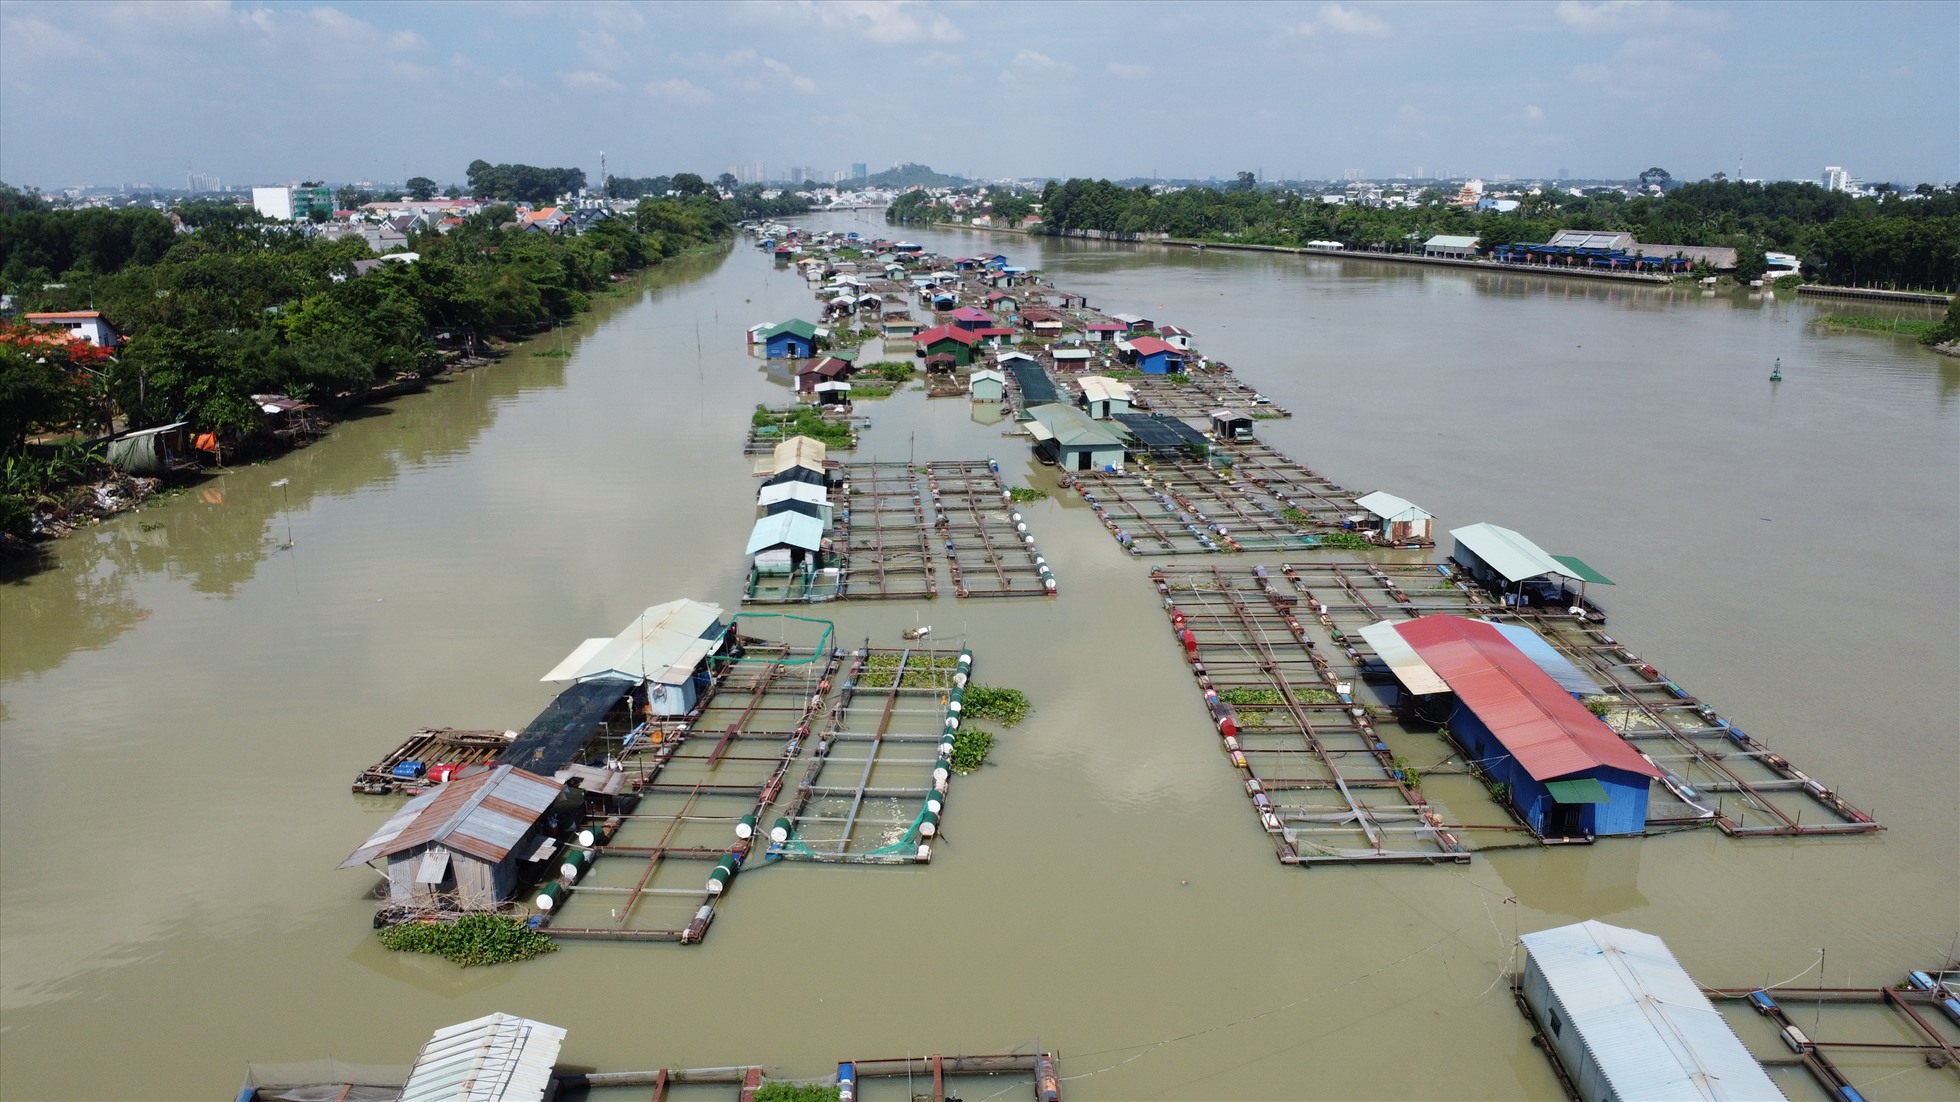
{"x": 460, "y": 846}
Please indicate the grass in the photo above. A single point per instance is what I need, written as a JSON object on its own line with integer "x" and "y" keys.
{"x": 970, "y": 748}
{"x": 1005, "y": 706}
{"x": 1916, "y": 328}
{"x": 803, "y": 421}
{"x": 470, "y": 941}
{"x": 1026, "y": 493}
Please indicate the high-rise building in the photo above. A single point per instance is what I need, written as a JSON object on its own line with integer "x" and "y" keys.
{"x": 1836, "y": 179}
{"x": 858, "y": 170}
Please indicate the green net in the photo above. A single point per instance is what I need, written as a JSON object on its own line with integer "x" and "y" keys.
{"x": 819, "y": 652}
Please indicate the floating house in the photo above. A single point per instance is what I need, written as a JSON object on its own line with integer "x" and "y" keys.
{"x": 1105, "y": 330}
{"x": 1135, "y": 321}
{"x": 948, "y": 340}
{"x": 1509, "y": 564}
{"x": 496, "y": 1058}
{"x": 901, "y": 328}
{"x": 1175, "y": 336}
{"x": 829, "y": 369}
{"x": 1565, "y": 773}
{"x": 972, "y": 319}
{"x": 666, "y": 650}
{"x": 795, "y": 497}
{"x": 986, "y": 385}
{"x": 1231, "y": 424}
{"x": 1068, "y": 438}
{"x": 459, "y": 847}
{"x": 786, "y": 543}
{"x": 794, "y": 339}
{"x": 1104, "y": 397}
{"x": 1155, "y": 356}
{"x": 1001, "y": 300}
{"x": 1163, "y": 437}
{"x": 1035, "y": 385}
{"x": 1399, "y": 521}
{"x": 1626, "y": 1022}
{"x": 803, "y": 452}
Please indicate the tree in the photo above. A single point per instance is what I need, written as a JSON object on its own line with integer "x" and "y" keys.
{"x": 1246, "y": 182}
{"x": 1750, "y": 264}
{"x": 420, "y": 187}
{"x": 727, "y": 182}
{"x": 687, "y": 183}
{"x": 350, "y": 197}
{"x": 1656, "y": 176}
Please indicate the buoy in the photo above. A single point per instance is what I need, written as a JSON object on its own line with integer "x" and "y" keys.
{"x": 548, "y": 896}
{"x": 779, "y": 832}
{"x": 746, "y": 828}
{"x": 576, "y": 861}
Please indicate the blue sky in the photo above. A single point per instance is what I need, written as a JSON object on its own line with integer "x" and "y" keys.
{"x": 111, "y": 93}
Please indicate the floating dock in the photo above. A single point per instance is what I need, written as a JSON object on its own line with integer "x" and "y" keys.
{"x": 1199, "y": 392}
{"x": 1922, "y": 1013}
{"x": 932, "y": 1078}
{"x": 989, "y": 550}
{"x": 1717, "y": 774}
{"x": 893, "y": 718}
{"x": 1324, "y": 786}
{"x": 881, "y": 524}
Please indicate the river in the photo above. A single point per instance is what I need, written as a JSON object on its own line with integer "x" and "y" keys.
{"x": 184, "y": 699}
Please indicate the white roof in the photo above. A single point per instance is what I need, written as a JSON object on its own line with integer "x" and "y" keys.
{"x": 1006, "y": 356}
{"x": 794, "y": 529}
{"x": 1073, "y": 353}
{"x": 1389, "y": 507}
{"x": 497, "y": 1058}
{"x": 792, "y": 491}
{"x": 1642, "y": 1018}
{"x": 1102, "y": 388}
{"x": 662, "y": 645}
{"x": 1129, "y": 319}
{"x": 1403, "y": 661}
{"x": 798, "y": 451}
{"x": 1450, "y": 241}
{"x": 1508, "y": 553}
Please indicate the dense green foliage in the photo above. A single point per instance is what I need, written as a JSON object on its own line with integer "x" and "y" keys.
{"x": 922, "y": 671}
{"x": 1346, "y": 541}
{"x": 1893, "y": 240}
{"x": 1006, "y": 706}
{"x": 777, "y": 1091}
{"x": 803, "y": 421}
{"x": 1916, "y": 328}
{"x": 1948, "y": 330}
{"x": 522, "y": 183}
{"x": 970, "y": 746}
{"x": 471, "y": 940}
{"x": 892, "y": 371}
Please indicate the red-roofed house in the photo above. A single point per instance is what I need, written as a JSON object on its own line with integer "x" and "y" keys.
{"x": 1565, "y": 773}
{"x": 948, "y": 340}
{"x": 972, "y": 318}
{"x": 1156, "y": 357}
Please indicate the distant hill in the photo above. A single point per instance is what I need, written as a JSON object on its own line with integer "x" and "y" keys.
{"x": 911, "y": 175}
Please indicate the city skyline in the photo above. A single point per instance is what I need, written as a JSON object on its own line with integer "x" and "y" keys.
{"x": 275, "y": 93}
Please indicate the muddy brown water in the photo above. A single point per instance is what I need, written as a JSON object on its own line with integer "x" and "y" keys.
{"x": 184, "y": 701}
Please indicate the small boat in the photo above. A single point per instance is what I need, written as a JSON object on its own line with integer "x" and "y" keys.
{"x": 1776, "y": 373}
{"x": 918, "y": 633}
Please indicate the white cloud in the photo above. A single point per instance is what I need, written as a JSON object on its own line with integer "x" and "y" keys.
{"x": 1610, "y": 16}
{"x": 681, "y": 91}
{"x": 1128, "y": 70}
{"x": 884, "y": 21}
{"x": 1533, "y": 112}
{"x": 601, "y": 50}
{"x": 586, "y": 80}
{"x": 1341, "y": 19}
{"x": 797, "y": 81}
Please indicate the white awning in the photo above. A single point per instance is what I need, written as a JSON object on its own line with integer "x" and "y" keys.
{"x": 1403, "y": 661}
{"x": 1389, "y": 507}
{"x": 663, "y": 644}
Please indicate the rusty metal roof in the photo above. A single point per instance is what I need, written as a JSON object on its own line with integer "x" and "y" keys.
{"x": 483, "y": 815}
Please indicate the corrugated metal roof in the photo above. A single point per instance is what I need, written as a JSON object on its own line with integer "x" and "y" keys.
{"x": 1403, "y": 661}
{"x": 1645, "y": 1022}
{"x": 483, "y": 815}
{"x": 662, "y": 644}
{"x": 1073, "y": 428}
{"x": 1546, "y": 657}
{"x": 1450, "y": 241}
{"x": 497, "y": 1058}
{"x": 793, "y": 529}
{"x": 1549, "y": 733}
{"x": 792, "y": 491}
{"x": 1389, "y": 507}
{"x": 798, "y": 451}
{"x": 1508, "y": 553}
{"x": 1101, "y": 388}
{"x": 1581, "y": 571}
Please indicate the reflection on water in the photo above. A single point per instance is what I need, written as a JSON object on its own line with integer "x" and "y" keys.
{"x": 184, "y": 702}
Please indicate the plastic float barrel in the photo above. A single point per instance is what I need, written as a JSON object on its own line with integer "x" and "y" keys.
{"x": 1189, "y": 640}
{"x": 966, "y": 658}
{"x": 549, "y": 895}
{"x": 1047, "y": 1085}
{"x": 924, "y": 855}
{"x": 1238, "y": 759}
{"x": 1049, "y": 584}
{"x": 928, "y": 825}
{"x": 942, "y": 769}
{"x": 576, "y": 862}
{"x": 1231, "y": 742}
{"x": 935, "y": 803}
{"x": 724, "y": 872}
{"x": 846, "y": 1082}
{"x": 779, "y": 830}
{"x": 1252, "y": 786}
{"x": 746, "y": 828}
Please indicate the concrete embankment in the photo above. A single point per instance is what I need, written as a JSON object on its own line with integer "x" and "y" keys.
{"x": 1874, "y": 294}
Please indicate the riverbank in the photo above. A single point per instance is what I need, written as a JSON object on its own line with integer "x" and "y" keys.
{"x": 1343, "y": 254}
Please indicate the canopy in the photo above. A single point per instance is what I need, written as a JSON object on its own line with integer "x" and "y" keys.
{"x": 1403, "y": 661}
{"x": 663, "y": 644}
{"x": 1581, "y": 571}
{"x": 785, "y": 529}
{"x": 1584, "y": 790}
{"x": 1509, "y": 553}
{"x": 1389, "y": 507}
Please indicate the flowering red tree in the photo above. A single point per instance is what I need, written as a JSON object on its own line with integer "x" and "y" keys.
{"x": 49, "y": 379}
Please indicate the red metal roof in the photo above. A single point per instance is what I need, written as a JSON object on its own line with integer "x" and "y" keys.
{"x": 972, "y": 313}
{"x": 993, "y": 331}
{"x": 1150, "y": 346}
{"x": 1550, "y": 733}
{"x": 945, "y": 332}
{"x": 1108, "y": 327}
{"x": 64, "y": 314}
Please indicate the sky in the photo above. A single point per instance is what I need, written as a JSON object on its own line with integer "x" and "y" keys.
{"x": 108, "y": 94}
